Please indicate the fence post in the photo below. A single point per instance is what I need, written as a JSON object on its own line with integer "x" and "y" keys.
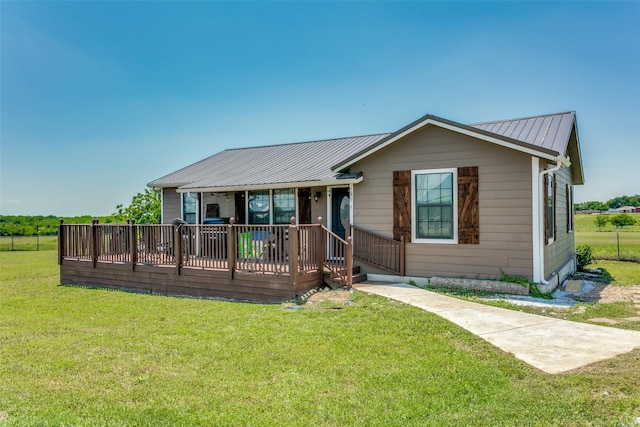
{"x": 322, "y": 251}
{"x": 349, "y": 259}
{"x": 133, "y": 244}
{"x": 177, "y": 247}
{"x": 60, "y": 242}
{"x": 618, "y": 238}
{"x": 231, "y": 247}
{"x": 293, "y": 252}
{"x": 402, "y": 255}
{"x": 94, "y": 242}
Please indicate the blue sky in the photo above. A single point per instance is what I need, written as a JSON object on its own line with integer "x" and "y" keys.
{"x": 99, "y": 98}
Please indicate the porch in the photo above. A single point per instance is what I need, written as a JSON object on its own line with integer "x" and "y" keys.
{"x": 261, "y": 263}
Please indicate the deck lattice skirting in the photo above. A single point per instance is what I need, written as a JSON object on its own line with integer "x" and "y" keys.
{"x": 240, "y": 262}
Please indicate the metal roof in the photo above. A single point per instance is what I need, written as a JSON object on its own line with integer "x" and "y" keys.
{"x": 267, "y": 165}
{"x": 319, "y": 161}
{"x": 551, "y": 131}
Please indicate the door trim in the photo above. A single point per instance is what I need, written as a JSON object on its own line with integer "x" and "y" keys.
{"x": 330, "y": 204}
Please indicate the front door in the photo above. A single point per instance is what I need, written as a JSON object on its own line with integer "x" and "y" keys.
{"x": 340, "y": 210}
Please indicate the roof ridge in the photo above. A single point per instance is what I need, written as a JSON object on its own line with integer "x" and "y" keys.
{"x": 522, "y": 118}
{"x": 306, "y": 142}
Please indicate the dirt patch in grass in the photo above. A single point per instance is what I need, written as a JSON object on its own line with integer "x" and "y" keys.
{"x": 333, "y": 297}
{"x": 600, "y": 288}
{"x": 607, "y": 293}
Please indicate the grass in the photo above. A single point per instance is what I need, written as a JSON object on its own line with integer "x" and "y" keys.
{"x": 92, "y": 357}
{"x": 604, "y": 242}
{"x": 28, "y": 243}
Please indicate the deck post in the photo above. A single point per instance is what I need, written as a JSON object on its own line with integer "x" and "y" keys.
{"x": 347, "y": 229}
{"x": 94, "y": 242}
{"x": 60, "y": 241}
{"x": 349, "y": 261}
{"x": 231, "y": 247}
{"x": 322, "y": 250}
{"x": 293, "y": 252}
{"x": 133, "y": 244}
{"x": 177, "y": 247}
{"x": 402, "y": 255}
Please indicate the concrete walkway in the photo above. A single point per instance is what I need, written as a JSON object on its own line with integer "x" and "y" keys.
{"x": 551, "y": 345}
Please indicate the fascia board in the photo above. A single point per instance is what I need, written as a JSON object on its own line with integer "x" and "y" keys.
{"x": 462, "y": 130}
{"x": 275, "y": 186}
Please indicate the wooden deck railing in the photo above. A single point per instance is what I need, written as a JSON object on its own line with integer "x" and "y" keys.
{"x": 290, "y": 250}
{"x": 379, "y": 251}
{"x": 339, "y": 258}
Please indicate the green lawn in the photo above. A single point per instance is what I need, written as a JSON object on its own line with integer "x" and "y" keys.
{"x": 604, "y": 242}
{"x": 92, "y": 357}
{"x": 28, "y": 243}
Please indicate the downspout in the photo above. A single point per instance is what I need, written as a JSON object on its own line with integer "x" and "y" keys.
{"x": 560, "y": 162}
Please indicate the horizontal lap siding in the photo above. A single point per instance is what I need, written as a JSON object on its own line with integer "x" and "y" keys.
{"x": 562, "y": 249}
{"x": 170, "y": 205}
{"x": 504, "y": 203}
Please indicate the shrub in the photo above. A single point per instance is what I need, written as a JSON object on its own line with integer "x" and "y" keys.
{"x": 584, "y": 256}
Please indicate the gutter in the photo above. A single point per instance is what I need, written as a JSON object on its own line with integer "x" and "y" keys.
{"x": 272, "y": 186}
{"x": 561, "y": 161}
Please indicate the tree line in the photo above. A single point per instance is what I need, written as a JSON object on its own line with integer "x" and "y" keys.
{"x": 615, "y": 203}
{"x": 143, "y": 209}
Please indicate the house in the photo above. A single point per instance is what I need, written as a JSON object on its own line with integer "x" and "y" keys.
{"x": 473, "y": 200}
{"x": 626, "y": 209}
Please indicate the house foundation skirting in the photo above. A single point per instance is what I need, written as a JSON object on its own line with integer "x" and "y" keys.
{"x": 159, "y": 280}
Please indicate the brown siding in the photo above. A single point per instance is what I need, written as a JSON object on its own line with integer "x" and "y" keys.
{"x": 192, "y": 282}
{"x": 504, "y": 203}
{"x": 562, "y": 249}
{"x": 170, "y": 205}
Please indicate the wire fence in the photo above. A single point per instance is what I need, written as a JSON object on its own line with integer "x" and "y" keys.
{"x": 612, "y": 245}
{"x": 28, "y": 243}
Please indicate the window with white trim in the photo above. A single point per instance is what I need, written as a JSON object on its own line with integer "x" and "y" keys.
{"x": 259, "y": 207}
{"x": 284, "y": 205}
{"x": 190, "y": 207}
{"x": 551, "y": 211}
{"x": 434, "y": 195}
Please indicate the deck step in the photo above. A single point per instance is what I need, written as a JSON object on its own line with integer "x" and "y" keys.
{"x": 332, "y": 279}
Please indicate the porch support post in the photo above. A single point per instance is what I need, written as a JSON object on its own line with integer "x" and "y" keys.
{"x": 231, "y": 247}
{"x": 322, "y": 250}
{"x": 61, "y": 240}
{"x": 293, "y": 252}
{"x": 347, "y": 229}
{"x": 177, "y": 248}
{"x": 133, "y": 244}
{"x": 94, "y": 242}
{"x": 349, "y": 261}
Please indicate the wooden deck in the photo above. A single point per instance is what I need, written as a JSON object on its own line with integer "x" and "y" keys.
{"x": 238, "y": 262}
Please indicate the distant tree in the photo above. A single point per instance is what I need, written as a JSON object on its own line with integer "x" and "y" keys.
{"x": 622, "y": 220}
{"x": 601, "y": 221}
{"x": 620, "y": 201}
{"x": 145, "y": 208}
{"x": 592, "y": 206}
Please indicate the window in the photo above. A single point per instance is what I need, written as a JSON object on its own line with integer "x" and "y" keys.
{"x": 569, "y": 208}
{"x": 190, "y": 207}
{"x": 284, "y": 205}
{"x": 550, "y": 201}
{"x": 434, "y": 197}
{"x": 259, "y": 207}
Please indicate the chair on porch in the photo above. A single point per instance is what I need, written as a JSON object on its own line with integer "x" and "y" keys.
{"x": 253, "y": 244}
